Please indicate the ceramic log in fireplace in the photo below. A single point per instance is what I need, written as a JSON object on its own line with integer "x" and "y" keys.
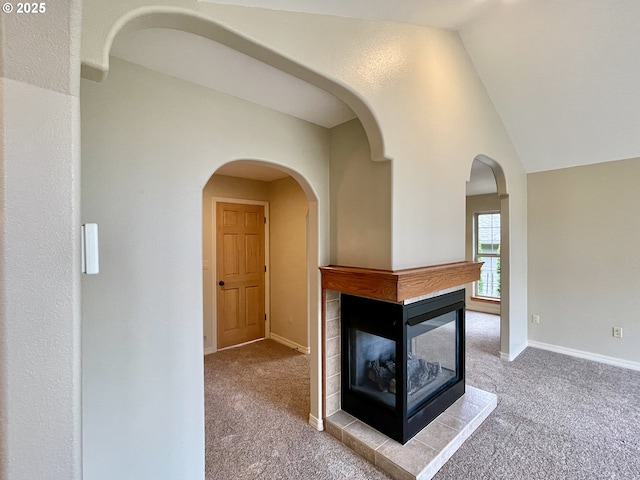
{"x": 402, "y": 365}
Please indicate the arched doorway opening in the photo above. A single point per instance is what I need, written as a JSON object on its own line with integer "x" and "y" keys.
{"x": 290, "y": 256}
{"x": 487, "y": 240}
{"x": 266, "y": 377}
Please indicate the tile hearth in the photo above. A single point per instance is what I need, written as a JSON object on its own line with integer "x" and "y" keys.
{"x": 422, "y": 456}
{"x": 429, "y": 450}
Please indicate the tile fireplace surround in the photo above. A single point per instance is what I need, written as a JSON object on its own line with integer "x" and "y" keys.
{"x": 424, "y": 455}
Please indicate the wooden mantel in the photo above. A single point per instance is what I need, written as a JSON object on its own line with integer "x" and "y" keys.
{"x": 398, "y": 285}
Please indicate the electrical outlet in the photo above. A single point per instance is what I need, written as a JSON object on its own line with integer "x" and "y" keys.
{"x": 617, "y": 332}
{"x": 535, "y": 318}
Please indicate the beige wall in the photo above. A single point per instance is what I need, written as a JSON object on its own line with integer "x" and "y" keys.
{"x": 288, "y": 261}
{"x": 584, "y": 258}
{"x": 288, "y": 286}
{"x": 234, "y": 187}
{"x": 360, "y": 201}
{"x": 477, "y": 204}
{"x": 149, "y": 145}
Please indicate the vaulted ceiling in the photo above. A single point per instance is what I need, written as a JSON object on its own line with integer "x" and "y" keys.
{"x": 564, "y": 75}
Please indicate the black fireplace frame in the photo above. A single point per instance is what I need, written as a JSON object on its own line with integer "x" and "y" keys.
{"x": 390, "y": 320}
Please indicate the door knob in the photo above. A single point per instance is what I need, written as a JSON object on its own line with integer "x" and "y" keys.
{"x": 221, "y": 283}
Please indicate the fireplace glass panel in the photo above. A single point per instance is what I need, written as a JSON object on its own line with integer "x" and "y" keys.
{"x": 431, "y": 358}
{"x": 373, "y": 366}
{"x": 402, "y": 365}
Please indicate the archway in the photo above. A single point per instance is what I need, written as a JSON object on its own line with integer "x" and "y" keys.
{"x": 291, "y": 263}
{"x": 144, "y": 303}
{"x": 97, "y": 66}
{"x": 290, "y": 251}
{"x": 496, "y": 200}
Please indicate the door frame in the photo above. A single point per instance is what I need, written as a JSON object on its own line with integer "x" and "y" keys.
{"x": 214, "y": 260}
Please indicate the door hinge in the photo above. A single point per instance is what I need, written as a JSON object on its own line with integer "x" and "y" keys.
{"x": 265, "y": 268}
{"x": 265, "y": 219}
{"x": 265, "y": 317}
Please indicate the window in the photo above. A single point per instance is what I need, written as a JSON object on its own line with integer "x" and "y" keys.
{"x": 487, "y": 250}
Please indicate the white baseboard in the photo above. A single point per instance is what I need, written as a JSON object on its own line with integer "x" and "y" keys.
{"x": 617, "y": 362}
{"x": 316, "y": 423}
{"x": 289, "y": 343}
{"x": 240, "y": 344}
{"x": 209, "y": 350}
{"x": 510, "y": 357}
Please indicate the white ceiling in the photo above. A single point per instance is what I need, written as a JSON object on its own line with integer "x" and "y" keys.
{"x": 564, "y": 75}
{"x": 450, "y": 14}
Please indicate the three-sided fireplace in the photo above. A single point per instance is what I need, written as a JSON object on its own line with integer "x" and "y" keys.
{"x": 402, "y": 365}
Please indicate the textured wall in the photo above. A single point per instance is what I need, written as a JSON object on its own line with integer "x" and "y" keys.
{"x": 43, "y": 49}
{"x": 584, "y": 258}
{"x": 40, "y": 268}
{"x": 39, "y": 258}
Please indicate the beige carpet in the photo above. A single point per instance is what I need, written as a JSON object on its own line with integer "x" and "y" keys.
{"x": 557, "y": 418}
{"x": 257, "y": 406}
